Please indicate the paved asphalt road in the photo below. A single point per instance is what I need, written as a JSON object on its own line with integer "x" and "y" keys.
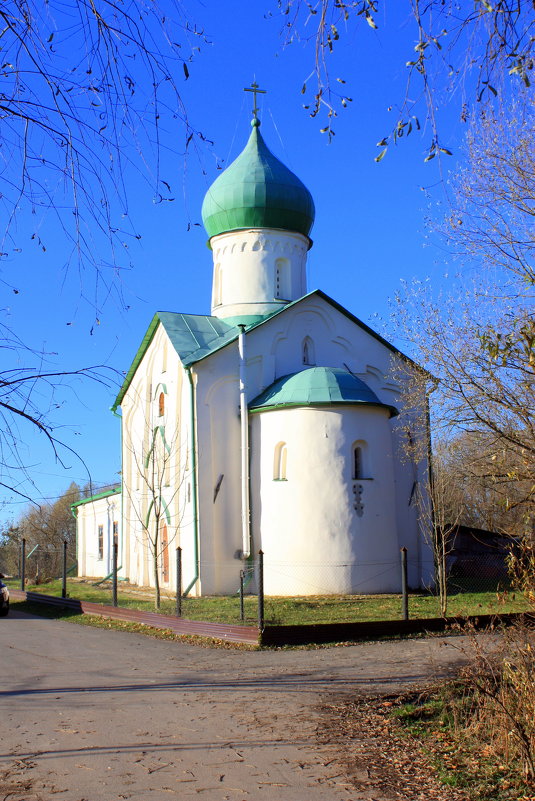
{"x": 99, "y": 715}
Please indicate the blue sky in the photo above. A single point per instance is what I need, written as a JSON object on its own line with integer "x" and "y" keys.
{"x": 370, "y": 229}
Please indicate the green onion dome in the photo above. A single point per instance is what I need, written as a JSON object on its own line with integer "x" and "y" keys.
{"x": 318, "y": 386}
{"x": 257, "y": 191}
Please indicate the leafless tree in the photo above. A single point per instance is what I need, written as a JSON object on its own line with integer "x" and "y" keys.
{"x": 434, "y": 495}
{"x": 45, "y": 528}
{"x": 86, "y": 85}
{"x": 478, "y": 340}
{"x": 154, "y": 492}
{"x": 35, "y": 397}
{"x": 86, "y": 88}
{"x": 461, "y": 50}
{"x": 441, "y": 512}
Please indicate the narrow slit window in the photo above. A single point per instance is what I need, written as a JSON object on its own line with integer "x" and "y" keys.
{"x": 101, "y": 542}
{"x": 357, "y": 462}
{"x": 308, "y": 352}
{"x": 280, "y": 462}
{"x": 164, "y": 357}
{"x": 282, "y": 275}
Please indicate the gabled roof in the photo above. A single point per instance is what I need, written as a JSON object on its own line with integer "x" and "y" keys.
{"x": 193, "y": 336}
{"x": 196, "y": 336}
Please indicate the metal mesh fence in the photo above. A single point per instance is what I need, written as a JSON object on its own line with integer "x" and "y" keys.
{"x": 313, "y": 593}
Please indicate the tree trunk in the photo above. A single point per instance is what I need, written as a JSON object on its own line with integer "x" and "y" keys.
{"x": 442, "y": 580}
{"x": 155, "y": 565}
{"x": 156, "y": 582}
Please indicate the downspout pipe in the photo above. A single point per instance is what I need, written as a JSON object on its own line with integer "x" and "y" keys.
{"x": 244, "y": 426}
{"x": 194, "y": 483}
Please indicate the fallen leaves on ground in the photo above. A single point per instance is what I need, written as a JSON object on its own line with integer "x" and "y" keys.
{"x": 378, "y": 759}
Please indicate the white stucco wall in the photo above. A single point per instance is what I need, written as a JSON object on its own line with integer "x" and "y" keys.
{"x": 89, "y": 516}
{"x": 257, "y": 271}
{"x": 218, "y": 436}
{"x": 273, "y": 350}
{"x": 321, "y": 530}
{"x": 316, "y": 505}
{"x": 168, "y": 472}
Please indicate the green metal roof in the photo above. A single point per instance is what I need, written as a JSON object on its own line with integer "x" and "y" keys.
{"x": 104, "y": 494}
{"x": 193, "y": 336}
{"x": 196, "y": 336}
{"x": 317, "y": 386}
{"x": 257, "y": 191}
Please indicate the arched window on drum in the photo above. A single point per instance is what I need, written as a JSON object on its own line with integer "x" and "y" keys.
{"x": 359, "y": 461}
{"x": 282, "y": 279}
{"x": 280, "y": 462}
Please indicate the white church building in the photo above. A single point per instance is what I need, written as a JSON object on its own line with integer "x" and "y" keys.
{"x": 278, "y": 422}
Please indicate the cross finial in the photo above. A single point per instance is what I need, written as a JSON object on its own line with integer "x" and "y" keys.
{"x": 256, "y": 91}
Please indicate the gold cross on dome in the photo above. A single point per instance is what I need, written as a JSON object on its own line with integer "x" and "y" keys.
{"x": 256, "y": 91}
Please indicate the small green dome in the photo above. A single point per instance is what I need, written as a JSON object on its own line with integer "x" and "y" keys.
{"x": 257, "y": 191}
{"x": 318, "y": 386}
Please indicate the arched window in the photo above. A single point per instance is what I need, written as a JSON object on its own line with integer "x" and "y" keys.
{"x": 359, "y": 461}
{"x": 100, "y": 539}
{"x": 282, "y": 279}
{"x": 279, "y": 462}
{"x": 308, "y": 355}
{"x": 161, "y": 404}
{"x": 217, "y": 285}
{"x": 164, "y": 356}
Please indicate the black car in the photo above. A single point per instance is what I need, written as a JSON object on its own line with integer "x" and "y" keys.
{"x": 4, "y": 598}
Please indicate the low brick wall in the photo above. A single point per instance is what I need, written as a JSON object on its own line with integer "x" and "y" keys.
{"x": 273, "y": 636}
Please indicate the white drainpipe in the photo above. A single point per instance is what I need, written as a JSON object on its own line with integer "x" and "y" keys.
{"x": 244, "y": 422}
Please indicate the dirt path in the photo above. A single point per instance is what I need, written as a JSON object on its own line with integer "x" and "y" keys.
{"x": 100, "y": 714}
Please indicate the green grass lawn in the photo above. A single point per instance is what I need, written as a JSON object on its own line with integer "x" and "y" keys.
{"x": 294, "y": 611}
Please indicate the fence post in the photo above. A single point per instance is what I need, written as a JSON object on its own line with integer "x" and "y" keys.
{"x": 22, "y": 564}
{"x": 64, "y": 584}
{"x": 404, "y": 593}
{"x": 242, "y": 609}
{"x": 114, "y": 573}
{"x": 179, "y": 582}
{"x": 261, "y": 590}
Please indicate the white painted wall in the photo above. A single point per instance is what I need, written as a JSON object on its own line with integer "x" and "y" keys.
{"x": 257, "y": 271}
{"x": 321, "y": 531}
{"x": 273, "y": 350}
{"x": 218, "y": 436}
{"x": 316, "y": 505}
{"x": 89, "y": 516}
{"x": 169, "y": 472}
